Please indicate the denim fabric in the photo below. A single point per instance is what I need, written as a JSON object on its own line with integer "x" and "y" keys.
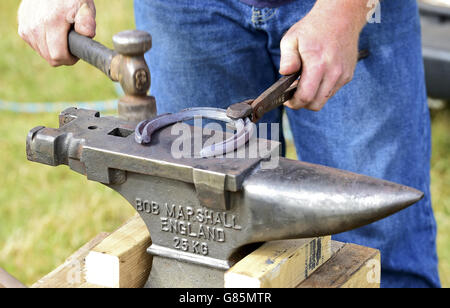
{"x": 265, "y": 3}
{"x": 215, "y": 53}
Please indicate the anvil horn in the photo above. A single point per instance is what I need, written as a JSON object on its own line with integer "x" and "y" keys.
{"x": 297, "y": 200}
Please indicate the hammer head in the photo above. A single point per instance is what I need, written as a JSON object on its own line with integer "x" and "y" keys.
{"x": 132, "y": 42}
{"x": 131, "y": 70}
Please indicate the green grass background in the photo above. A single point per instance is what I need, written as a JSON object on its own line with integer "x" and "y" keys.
{"x": 48, "y": 213}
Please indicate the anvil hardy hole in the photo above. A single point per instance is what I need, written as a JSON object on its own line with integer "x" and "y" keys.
{"x": 92, "y": 127}
{"x": 120, "y": 132}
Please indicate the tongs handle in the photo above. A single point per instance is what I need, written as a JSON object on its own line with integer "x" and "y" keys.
{"x": 275, "y": 96}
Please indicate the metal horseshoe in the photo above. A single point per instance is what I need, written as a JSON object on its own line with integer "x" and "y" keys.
{"x": 244, "y": 128}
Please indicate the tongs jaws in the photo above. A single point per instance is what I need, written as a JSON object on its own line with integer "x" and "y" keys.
{"x": 275, "y": 96}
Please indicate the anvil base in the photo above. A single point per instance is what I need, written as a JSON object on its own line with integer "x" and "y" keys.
{"x": 349, "y": 265}
{"x": 170, "y": 273}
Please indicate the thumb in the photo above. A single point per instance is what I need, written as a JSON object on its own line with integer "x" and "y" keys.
{"x": 290, "y": 57}
{"x": 85, "y": 21}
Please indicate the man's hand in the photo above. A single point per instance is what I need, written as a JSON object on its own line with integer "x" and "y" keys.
{"x": 45, "y": 25}
{"x": 325, "y": 45}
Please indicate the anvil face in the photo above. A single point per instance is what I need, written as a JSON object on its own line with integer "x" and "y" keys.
{"x": 204, "y": 213}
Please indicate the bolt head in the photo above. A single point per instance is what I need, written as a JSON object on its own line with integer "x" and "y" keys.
{"x": 132, "y": 42}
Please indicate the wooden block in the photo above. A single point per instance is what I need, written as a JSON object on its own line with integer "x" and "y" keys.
{"x": 351, "y": 266}
{"x": 8, "y": 281}
{"x": 70, "y": 273}
{"x": 279, "y": 264}
{"x": 121, "y": 260}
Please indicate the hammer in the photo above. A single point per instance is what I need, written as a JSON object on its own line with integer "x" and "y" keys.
{"x": 125, "y": 64}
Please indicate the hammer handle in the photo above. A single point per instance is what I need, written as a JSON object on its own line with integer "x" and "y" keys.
{"x": 91, "y": 51}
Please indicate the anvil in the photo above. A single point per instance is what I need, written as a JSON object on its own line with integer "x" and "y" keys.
{"x": 205, "y": 214}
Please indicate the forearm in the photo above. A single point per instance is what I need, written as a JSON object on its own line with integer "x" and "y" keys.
{"x": 348, "y": 15}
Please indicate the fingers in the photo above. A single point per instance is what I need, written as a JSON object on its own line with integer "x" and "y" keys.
{"x": 43, "y": 48}
{"x": 315, "y": 82}
{"x": 45, "y": 26}
{"x": 319, "y": 82}
{"x": 85, "y": 21}
{"x": 328, "y": 87}
{"x": 58, "y": 48}
{"x": 313, "y": 73}
{"x": 36, "y": 39}
{"x": 290, "y": 62}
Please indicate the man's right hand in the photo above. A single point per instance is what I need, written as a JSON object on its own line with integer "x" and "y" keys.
{"x": 45, "y": 25}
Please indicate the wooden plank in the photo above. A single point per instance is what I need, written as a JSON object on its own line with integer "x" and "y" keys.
{"x": 274, "y": 264}
{"x": 279, "y": 264}
{"x": 8, "y": 281}
{"x": 121, "y": 260}
{"x": 352, "y": 266}
{"x": 70, "y": 273}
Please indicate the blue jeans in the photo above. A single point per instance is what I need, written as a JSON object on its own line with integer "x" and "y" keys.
{"x": 215, "y": 53}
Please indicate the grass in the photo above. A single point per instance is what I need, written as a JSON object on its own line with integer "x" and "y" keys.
{"x": 47, "y": 213}
{"x": 440, "y": 192}
{"x": 25, "y": 76}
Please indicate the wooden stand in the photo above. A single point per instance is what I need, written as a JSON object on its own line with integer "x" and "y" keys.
{"x": 119, "y": 260}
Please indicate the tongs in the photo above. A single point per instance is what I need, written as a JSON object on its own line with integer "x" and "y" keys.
{"x": 241, "y": 115}
{"x": 275, "y": 96}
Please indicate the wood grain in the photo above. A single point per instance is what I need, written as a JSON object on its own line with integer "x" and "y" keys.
{"x": 351, "y": 266}
{"x": 280, "y": 264}
{"x": 70, "y": 273}
{"x": 121, "y": 260}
